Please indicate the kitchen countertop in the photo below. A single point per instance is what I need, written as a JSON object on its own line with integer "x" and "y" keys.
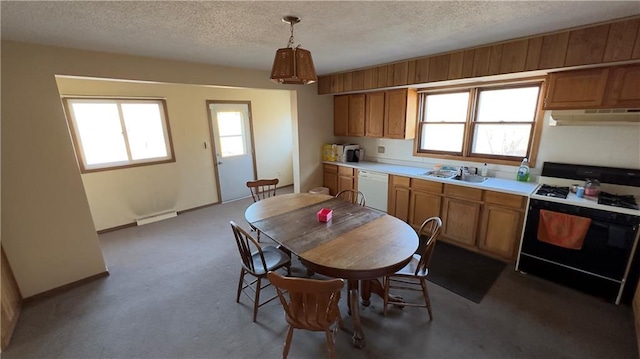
{"x": 492, "y": 184}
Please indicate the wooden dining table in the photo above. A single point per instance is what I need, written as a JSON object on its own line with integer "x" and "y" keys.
{"x": 358, "y": 243}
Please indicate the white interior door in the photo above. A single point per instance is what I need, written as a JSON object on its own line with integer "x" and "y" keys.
{"x": 231, "y": 131}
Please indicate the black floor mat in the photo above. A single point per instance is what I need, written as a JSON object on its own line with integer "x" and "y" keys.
{"x": 463, "y": 272}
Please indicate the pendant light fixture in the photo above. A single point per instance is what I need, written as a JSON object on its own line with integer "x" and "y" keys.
{"x": 293, "y": 65}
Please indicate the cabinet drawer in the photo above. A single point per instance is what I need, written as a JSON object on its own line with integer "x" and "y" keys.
{"x": 400, "y": 181}
{"x": 463, "y": 192}
{"x": 330, "y": 168}
{"x": 426, "y": 186}
{"x": 504, "y": 199}
{"x": 345, "y": 171}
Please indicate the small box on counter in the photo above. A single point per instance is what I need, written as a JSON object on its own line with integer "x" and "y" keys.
{"x": 325, "y": 214}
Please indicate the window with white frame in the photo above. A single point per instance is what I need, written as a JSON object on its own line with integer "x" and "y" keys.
{"x": 481, "y": 122}
{"x": 117, "y": 133}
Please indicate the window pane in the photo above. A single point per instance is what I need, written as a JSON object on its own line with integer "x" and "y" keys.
{"x": 99, "y": 132}
{"x": 442, "y": 137}
{"x": 451, "y": 107}
{"x": 232, "y": 146}
{"x": 509, "y": 105}
{"x": 144, "y": 130}
{"x": 229, "y": 123}
{"x": 505, "y": 140}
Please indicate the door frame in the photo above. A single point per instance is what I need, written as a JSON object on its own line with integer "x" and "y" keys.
{"x": 213, "y": 141}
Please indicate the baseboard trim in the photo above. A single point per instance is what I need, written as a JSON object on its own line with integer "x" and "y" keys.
{"x": 197, "y": 208}
{"x": 128, "y": 225}
{"x": 64, "y": 288}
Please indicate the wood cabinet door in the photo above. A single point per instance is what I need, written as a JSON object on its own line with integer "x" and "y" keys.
{"x": 395, "y": 114}
{"x": 460, "y": 220}
{"x": 500, "y": 231}
{"x": 398, "y": 199}
{"x": 331, "y": 178}
{"x": 623, "y": 89}
{"x": 340, "y": 115}
{"x": 374, "y": 114}
{"x": 356, "y": 115}
{"x": 11, "y": 302}
{"x": 423, "y": 205}
{"x": 346, "y": 182}
{"x": 576, "y": 89}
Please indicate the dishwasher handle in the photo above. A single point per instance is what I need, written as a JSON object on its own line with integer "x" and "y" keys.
{"x": 374, "y": 176}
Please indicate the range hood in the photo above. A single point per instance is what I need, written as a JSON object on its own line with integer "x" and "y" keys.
{"x": 616, "y": 116}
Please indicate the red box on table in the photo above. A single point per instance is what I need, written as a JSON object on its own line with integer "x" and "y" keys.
{"x": 324, "y": 214}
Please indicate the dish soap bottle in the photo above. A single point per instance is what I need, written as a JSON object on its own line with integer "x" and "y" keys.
{"x": 523, "y": 171}
{"x": 485, "y": 170}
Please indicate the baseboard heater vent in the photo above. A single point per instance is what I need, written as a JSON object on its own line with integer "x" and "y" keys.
{"x": 156, "y": 217}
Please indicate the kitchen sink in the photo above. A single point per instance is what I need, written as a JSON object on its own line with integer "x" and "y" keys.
{"x": 471, "y": 178}
{"x": 440, "y": 173}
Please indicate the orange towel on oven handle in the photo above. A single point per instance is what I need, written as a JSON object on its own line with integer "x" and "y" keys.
{"x": 562, "y": 229}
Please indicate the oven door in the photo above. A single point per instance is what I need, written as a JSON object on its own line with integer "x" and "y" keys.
{"x": 607, "y": 244}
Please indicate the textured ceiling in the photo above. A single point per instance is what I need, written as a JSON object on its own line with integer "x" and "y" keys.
{"x": 341, "y": 35}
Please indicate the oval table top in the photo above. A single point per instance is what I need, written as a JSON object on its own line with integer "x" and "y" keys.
{"x": 357, "y": 243}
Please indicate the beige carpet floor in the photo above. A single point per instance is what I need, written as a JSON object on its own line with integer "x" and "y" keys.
{"x": 171, "y": 294}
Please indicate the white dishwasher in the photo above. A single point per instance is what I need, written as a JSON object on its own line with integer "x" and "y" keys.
{"x": 374, "y": 186}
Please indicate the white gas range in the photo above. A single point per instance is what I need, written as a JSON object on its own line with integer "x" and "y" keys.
{"x": 605, "y": 261}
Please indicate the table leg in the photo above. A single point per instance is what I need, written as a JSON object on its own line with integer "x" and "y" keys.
{"x": 358, "y": 335}
{"x": 374, "y": 286}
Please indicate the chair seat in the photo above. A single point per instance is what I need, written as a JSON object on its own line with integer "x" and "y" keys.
{"x": 273, "y": 257}
{"x": 410, "y": 269}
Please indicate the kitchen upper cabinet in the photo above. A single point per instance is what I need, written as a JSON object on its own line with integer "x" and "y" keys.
{"x": 401, "y": 109}
{"x": 388, "y": 114}
{"x": 607, "y": 87}
{"x": 340, "y": 115}
{"x": 576, "y": 89}
{"x": 623, "y": 87}
{"x": 331, "y": 178}
{"x": 501, "y": 224}
{"x": 374, "y": 114}
{"x": 348, "y": 115}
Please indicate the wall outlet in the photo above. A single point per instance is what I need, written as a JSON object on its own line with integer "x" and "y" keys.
{"x": 380, "y": 149}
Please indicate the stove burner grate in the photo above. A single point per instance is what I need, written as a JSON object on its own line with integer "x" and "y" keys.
{"x": 617, "y": 200}
{"x": 553, "y": 191}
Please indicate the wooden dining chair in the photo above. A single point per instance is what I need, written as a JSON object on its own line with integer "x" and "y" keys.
{"x": 312, "y": 305}
{"x": 262, "y": 188}
{"x": 352, "y": 196}
{"x": 257, "y": 261}
{"x": 414, "y": 275}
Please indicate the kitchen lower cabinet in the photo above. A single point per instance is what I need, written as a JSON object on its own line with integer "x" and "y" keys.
{"x": 399, "y": 197}
{"x": 425, "y": 201}
{"x": 501, "y": 224}
{"x": 331, "y": 178}
{"x": 347, "y": 178}
{"x": 338, "y": 178}
{"x": 460, "y": 221}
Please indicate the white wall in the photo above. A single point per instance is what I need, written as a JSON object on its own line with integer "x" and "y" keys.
{"x": 120, "y": 196}
{"x": 611, "y": 146}
{"x": 47, "y": 230}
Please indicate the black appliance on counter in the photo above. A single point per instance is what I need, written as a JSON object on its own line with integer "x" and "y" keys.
{"x": 606, "y": 264}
